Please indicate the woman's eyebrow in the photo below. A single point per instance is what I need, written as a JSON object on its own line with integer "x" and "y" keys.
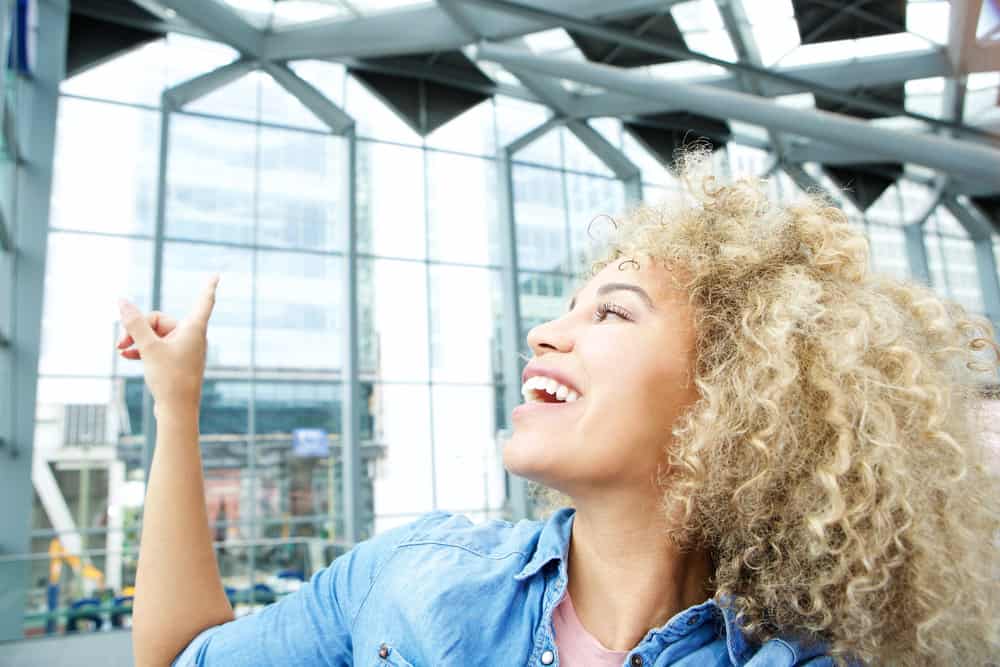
{"x": 615, "y": 287}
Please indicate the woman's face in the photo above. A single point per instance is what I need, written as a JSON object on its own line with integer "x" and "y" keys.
{"x": 626, "y": 347}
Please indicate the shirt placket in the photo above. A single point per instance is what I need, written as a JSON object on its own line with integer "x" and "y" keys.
{"x": 544, "y": 652}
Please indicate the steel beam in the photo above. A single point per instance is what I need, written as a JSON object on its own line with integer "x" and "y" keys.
{"x": 351, "y": 415}
{"x": 319, "y": 104}
{"x": 671, "y": 51}
{"x": 535, "y": 133}
{"x": 976, "y": 224}
{"x": 553, "y": 94}
{"x": 844, "y": 75}
{"x": 193, "y": 89}
{"x": 975, "y": 163}
{"x": 916, "y": 253}
{"x": 222, "y": 21}
{"x": 517, "y": 486}
{"x": 35, "y": 114}
{"x": 425, "y": 29}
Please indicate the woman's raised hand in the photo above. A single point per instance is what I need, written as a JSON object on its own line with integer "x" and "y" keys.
{"x": 173, "y": 351}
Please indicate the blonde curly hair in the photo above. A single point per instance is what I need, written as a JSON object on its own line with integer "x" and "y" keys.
{"x": 836, "y": 465}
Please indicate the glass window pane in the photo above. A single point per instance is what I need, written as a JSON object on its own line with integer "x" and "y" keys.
{"x": 105, "y": 167}
{"x": 302, "y": 200}
{"x": 539, "y": 212}
{"x": 543, "y": 297}
{"x": 392, "y": 319}
{"x": 328, "y": 78}
{"x": 888, "y": 250}
{"x": 467, "y": 464}
{"x": 137, "y": 77}
{"x": 465, "y": 324}
{"x": 963, "y": 274}
{"x": 224, "y": 426}
{"x": 299, "y": 472}
{"x": 591, "y": 199}
{"x": 210, "y": 180}
{"x": 279, "y": 106}
{"x": 462, "y": 209}
{"x": 299, "y": 312}
{"x": 390, "y": 204}
{"x": 239, "y": 99}
{"x": 544, "y": 150}
{"x": 932, "y": 242}
{"x": 85, "y": 276}
{"x": 187, "y": 268}
{"x": 515, "y": 117}
{"x": 580, "y": 158}
{"x": 403, "y": 484}
{"x": 470, "y": 132}
{"x": 188, "y": 57}
{"x": 652, "y": 169}
{"x": 374, "y": 119}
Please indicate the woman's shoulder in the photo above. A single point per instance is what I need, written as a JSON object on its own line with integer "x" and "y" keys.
{"x": 492, "y": 537}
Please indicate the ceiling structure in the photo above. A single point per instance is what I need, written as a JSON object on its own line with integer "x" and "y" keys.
{"x": 872, "y": 92}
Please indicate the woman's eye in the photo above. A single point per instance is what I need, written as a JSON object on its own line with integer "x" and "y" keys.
{"x": 606, "y": 309}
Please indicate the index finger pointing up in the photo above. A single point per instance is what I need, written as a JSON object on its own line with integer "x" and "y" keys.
{"x": 203, "y": 308}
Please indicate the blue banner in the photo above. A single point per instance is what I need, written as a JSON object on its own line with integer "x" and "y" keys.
{"x": 310, "y": 442}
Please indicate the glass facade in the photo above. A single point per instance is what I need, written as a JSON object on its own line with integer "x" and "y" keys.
{"x": 256, "y": 188}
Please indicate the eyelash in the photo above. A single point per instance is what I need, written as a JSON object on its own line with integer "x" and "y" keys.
{"x": 605, "y": 308}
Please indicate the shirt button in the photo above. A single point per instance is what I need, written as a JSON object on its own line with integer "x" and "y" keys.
{"x": 383, "y": 651}
{"x": 636, "y": 660}
{"x": 547, "y": 657}
{"x": 692, "y": 620}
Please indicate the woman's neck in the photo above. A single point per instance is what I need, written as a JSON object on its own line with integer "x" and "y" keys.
{"x": 625, "y": 577}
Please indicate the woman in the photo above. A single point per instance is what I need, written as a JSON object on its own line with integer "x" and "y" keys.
{"x": 755, "y": 453}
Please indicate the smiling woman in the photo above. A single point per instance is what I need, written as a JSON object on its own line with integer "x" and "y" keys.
{"x": 755, "y": 454}
{"x": 805, "y": 432}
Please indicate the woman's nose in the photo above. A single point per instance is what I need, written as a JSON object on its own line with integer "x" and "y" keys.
{"x": 550, "y": 336}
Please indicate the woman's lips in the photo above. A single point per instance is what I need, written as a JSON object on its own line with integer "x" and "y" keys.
{"x": 540, "y": 407}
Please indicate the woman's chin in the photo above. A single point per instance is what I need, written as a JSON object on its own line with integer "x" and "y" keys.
{"x": 528, "y": 456}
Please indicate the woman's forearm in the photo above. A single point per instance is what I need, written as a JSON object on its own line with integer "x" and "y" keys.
{"x": 178, "y": 591}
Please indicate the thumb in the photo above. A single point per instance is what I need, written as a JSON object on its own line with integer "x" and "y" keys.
{"x": 135, "y": 324}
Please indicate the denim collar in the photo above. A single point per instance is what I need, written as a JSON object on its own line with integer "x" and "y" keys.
{"x": 553, "y": 545}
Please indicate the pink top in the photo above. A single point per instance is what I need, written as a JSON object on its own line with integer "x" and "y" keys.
{"x": 577, "y": 647}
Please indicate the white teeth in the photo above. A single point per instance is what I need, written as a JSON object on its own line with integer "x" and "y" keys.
{"x": 549, "y": 385}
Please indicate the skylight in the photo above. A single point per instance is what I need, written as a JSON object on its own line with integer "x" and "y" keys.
{"x": 703, "y": 29}
{"x": 266, "y": 14}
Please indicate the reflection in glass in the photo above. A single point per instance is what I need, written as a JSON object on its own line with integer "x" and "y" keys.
{"x": 390, "y": 205}
{"x": 578, "y": 157}
{"x": 588, "y": 198}
{"x": 465, "y": 324}
{"x": 543, "y": 297}
{"x": 888, "y": 250}
{"x": 392, "y": 320}
{"x": 299, "y": 454}
{"x": 540, "y": 216}
{"x": 85, "y": 276}
{"x": 187, "y": 268}
{"x": 298, "y": 312}
{"x": 403, "y": 483}
{"x": 467, "y": 463}
{"x": 462, "y": 208}
{"x": 469, "y": 132}
{"x": 104, "y": 171}
{"x": 210, "y": 179}
{"x": 302, "y": 200}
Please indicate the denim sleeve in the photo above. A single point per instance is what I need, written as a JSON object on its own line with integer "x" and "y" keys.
{"x": 311, "y": 626}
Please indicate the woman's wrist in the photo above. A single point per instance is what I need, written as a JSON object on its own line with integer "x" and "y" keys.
{"x": 172, "y": 411}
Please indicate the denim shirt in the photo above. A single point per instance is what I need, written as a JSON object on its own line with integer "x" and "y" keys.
{"x": 441, "y": 590}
